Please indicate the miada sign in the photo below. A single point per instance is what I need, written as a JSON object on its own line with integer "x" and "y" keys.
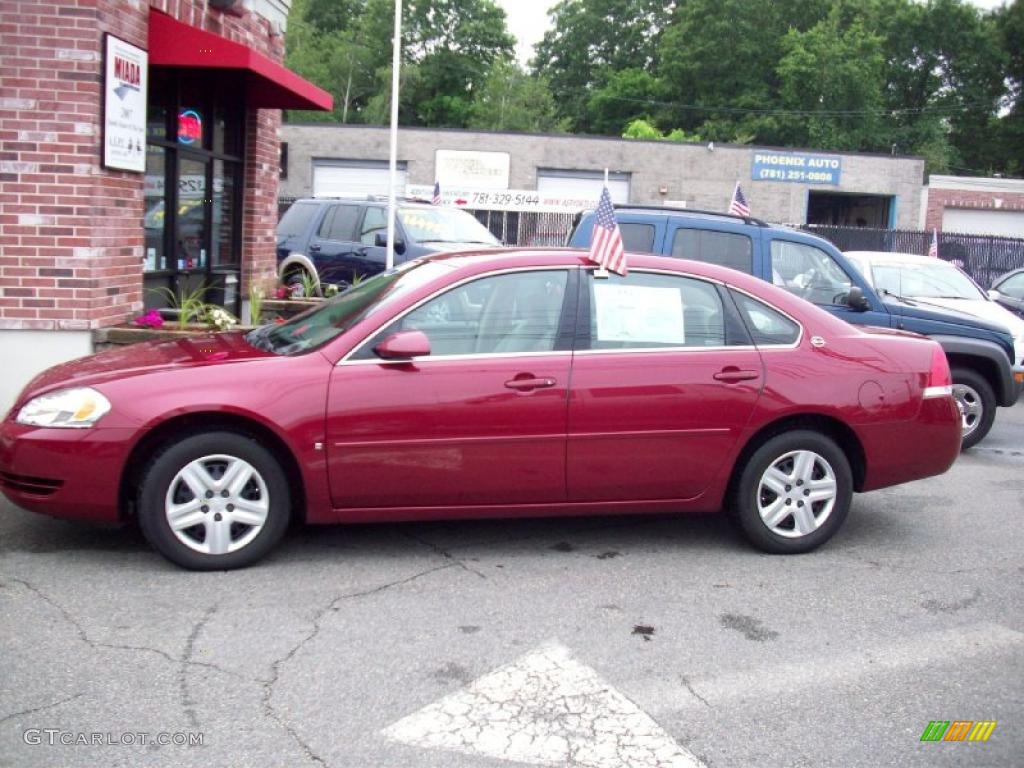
{"x": 125, "y": 69}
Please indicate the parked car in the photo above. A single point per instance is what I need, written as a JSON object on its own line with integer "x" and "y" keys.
{"x": 983, "y": 356}
{"x": 495, "y": 384}
{"x": 929, "y": 282}
{"x": 1008, "y": 290}
{"x": 329, "y": 241}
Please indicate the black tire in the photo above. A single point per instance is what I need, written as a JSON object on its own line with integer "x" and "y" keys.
{"x": 162, "y": 471}
{"x": 295, "y": 281}
{"x": 749, "y": 493}
{"x": 973, "y": 391}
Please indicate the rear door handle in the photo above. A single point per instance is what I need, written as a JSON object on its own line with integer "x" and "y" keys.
{"x": 732, "y": 374}
{"x": 529, "y": 383}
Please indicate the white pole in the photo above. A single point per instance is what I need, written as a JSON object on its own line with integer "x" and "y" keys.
{"x": 396, "y": 45}
{"x": 606, "y": 177}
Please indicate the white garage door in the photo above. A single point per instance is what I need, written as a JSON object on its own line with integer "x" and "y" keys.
{"x": 983, "y": 222}
{"x": 333, "y": 178}
{"x": 583, "y": 185}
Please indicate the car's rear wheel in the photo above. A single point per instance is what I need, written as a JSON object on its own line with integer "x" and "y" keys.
{"x": 977, "y": 403}
{"x": 214, "y": 501}
{"x": 793, "y": 492}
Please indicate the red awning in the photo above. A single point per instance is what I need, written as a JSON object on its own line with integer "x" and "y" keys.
{"x": 174, "y": 44}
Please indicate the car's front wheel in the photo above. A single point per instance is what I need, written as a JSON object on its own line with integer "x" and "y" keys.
{"x": 794, "y": 492}
{"x": 977, "y": 403}
{"x": 214, "y": 501}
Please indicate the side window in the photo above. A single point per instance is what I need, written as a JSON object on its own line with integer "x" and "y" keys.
{"x": 1014, "y": 287}
{"x": 375, "y": 220}
{"x": 652, "y": 311}
{"x": 340, "y": 225}
{"x": 808, "y": 272}
{"x": 503, "y": 314}
{"x": 726, "y": 249}
{"x": 296, "y": 219}
{"x": 637, "y": 237}
{"x": 766, "y": 325}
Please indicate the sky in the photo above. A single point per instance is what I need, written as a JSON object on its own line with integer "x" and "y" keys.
{"x": 528, "y": 20}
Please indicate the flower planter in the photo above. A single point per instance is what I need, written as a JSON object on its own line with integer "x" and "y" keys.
{"x": 120, "y": 335}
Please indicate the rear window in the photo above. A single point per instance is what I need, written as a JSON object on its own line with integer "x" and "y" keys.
{"x": 726, "y": 249}
{"x": 296, "y": 219}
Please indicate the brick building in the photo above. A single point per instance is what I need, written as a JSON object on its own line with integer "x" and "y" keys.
{"x": 92, "y": 219}
{"x": 975, "y": 205}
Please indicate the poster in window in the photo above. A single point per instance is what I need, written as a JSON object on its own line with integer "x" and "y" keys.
{"x": 639, "y": 314}
{"x": 125, "y": 70}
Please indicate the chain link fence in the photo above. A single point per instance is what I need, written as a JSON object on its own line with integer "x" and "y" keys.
{"x": 983, "y": 257}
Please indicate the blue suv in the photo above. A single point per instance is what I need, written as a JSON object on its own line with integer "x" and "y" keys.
{"x": 987, "y": 370}
{"x": 323, "y": 241}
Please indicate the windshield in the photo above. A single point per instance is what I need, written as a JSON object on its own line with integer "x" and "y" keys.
{"x": 317, "y": 326}
{"x": 925, "y": 281}
{"x": 444, "y": 225}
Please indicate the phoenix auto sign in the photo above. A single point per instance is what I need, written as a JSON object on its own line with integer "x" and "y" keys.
{"x": 124, "y": 110}
{"x": 797, "y": 167}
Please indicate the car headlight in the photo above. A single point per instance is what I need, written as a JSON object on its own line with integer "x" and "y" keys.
{"x": 78, "y": 407}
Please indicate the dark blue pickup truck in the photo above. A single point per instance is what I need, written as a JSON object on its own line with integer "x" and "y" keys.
{"x": 987, "y": 370}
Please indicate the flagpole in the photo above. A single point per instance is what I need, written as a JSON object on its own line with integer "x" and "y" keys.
{"x": 396, "y": 44}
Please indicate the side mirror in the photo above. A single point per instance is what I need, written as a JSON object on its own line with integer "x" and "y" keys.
{"x": 403, "y": 345}
{"x": 994, "y": 294}
{"x": 381, "y": 241}
{"x": 855, "y": 299}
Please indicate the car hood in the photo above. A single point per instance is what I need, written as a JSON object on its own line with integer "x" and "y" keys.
{"x": 989, "y": 311}
{"x": 146, "y": 357}
{"x": 948, "y": 312}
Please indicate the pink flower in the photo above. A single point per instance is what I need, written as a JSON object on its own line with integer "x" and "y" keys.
{"x": 282, "y": 292}
{"x": 151, "y": 319}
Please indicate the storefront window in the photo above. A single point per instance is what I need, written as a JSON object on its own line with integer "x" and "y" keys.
{"x": 193, "y": 187}
{"x": 223, "y": 217}
{"x": 155, "y": 218}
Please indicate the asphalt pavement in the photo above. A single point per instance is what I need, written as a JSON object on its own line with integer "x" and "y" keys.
{"x": 628, "y": 641}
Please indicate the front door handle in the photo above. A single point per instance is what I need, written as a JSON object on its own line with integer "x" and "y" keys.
{"x": 314, "y": 248}
{"x": 529, "y": 383}
{"x": 731, "y": 374}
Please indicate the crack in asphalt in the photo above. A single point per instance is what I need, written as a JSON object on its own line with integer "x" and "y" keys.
{"x": 267, "y": 686}
{"x": 444, "y": 553}
{"x": 693, "y": 692}
{"x": 186, "y": 656}
{"x": 40, "y": 709}
{"x": 97, "y": 644}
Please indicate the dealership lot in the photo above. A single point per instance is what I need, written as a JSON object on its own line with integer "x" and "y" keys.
{"x": 607, "y": 642}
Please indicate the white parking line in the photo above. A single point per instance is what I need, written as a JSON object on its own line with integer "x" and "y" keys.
{"x": 545, "y": 709}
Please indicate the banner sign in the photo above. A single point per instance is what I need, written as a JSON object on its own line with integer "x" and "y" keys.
{"x": 470, "y": 169}
{"x": 124, "y": 105}
{"x": 797, "y": 167}
{"x": 503, "y": 199}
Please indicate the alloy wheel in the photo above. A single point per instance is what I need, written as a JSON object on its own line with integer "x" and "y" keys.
{"x": 969, "y": 402}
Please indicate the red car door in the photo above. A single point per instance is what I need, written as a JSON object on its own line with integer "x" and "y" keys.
{"x": 481, "y": 420}
{"x": 663, "y": 382}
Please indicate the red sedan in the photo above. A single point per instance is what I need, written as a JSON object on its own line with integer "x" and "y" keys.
{"x": 494, "y": 384}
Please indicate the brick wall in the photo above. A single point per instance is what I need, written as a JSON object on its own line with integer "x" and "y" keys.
{"x": 71, "y": 235}
{"x": 939, "y": 199}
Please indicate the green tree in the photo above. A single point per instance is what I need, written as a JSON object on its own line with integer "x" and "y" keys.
{"x": 512, "y": 100}
{"x": 626, "y": 95}
{"x": 831, "y": 74}
{"x": 591, "y": 39}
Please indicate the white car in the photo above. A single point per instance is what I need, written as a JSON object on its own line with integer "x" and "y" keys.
{"x": 927, "y": 280}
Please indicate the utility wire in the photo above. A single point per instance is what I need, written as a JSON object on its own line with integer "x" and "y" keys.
{"x": 936, "y": 110}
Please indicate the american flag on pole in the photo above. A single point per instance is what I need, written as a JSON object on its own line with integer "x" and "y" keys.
{"x": 738, "y": 206}
{"x": 437, "y": 193}
{"x": 933, "y": 249}
{"x": 606, "y": 243}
